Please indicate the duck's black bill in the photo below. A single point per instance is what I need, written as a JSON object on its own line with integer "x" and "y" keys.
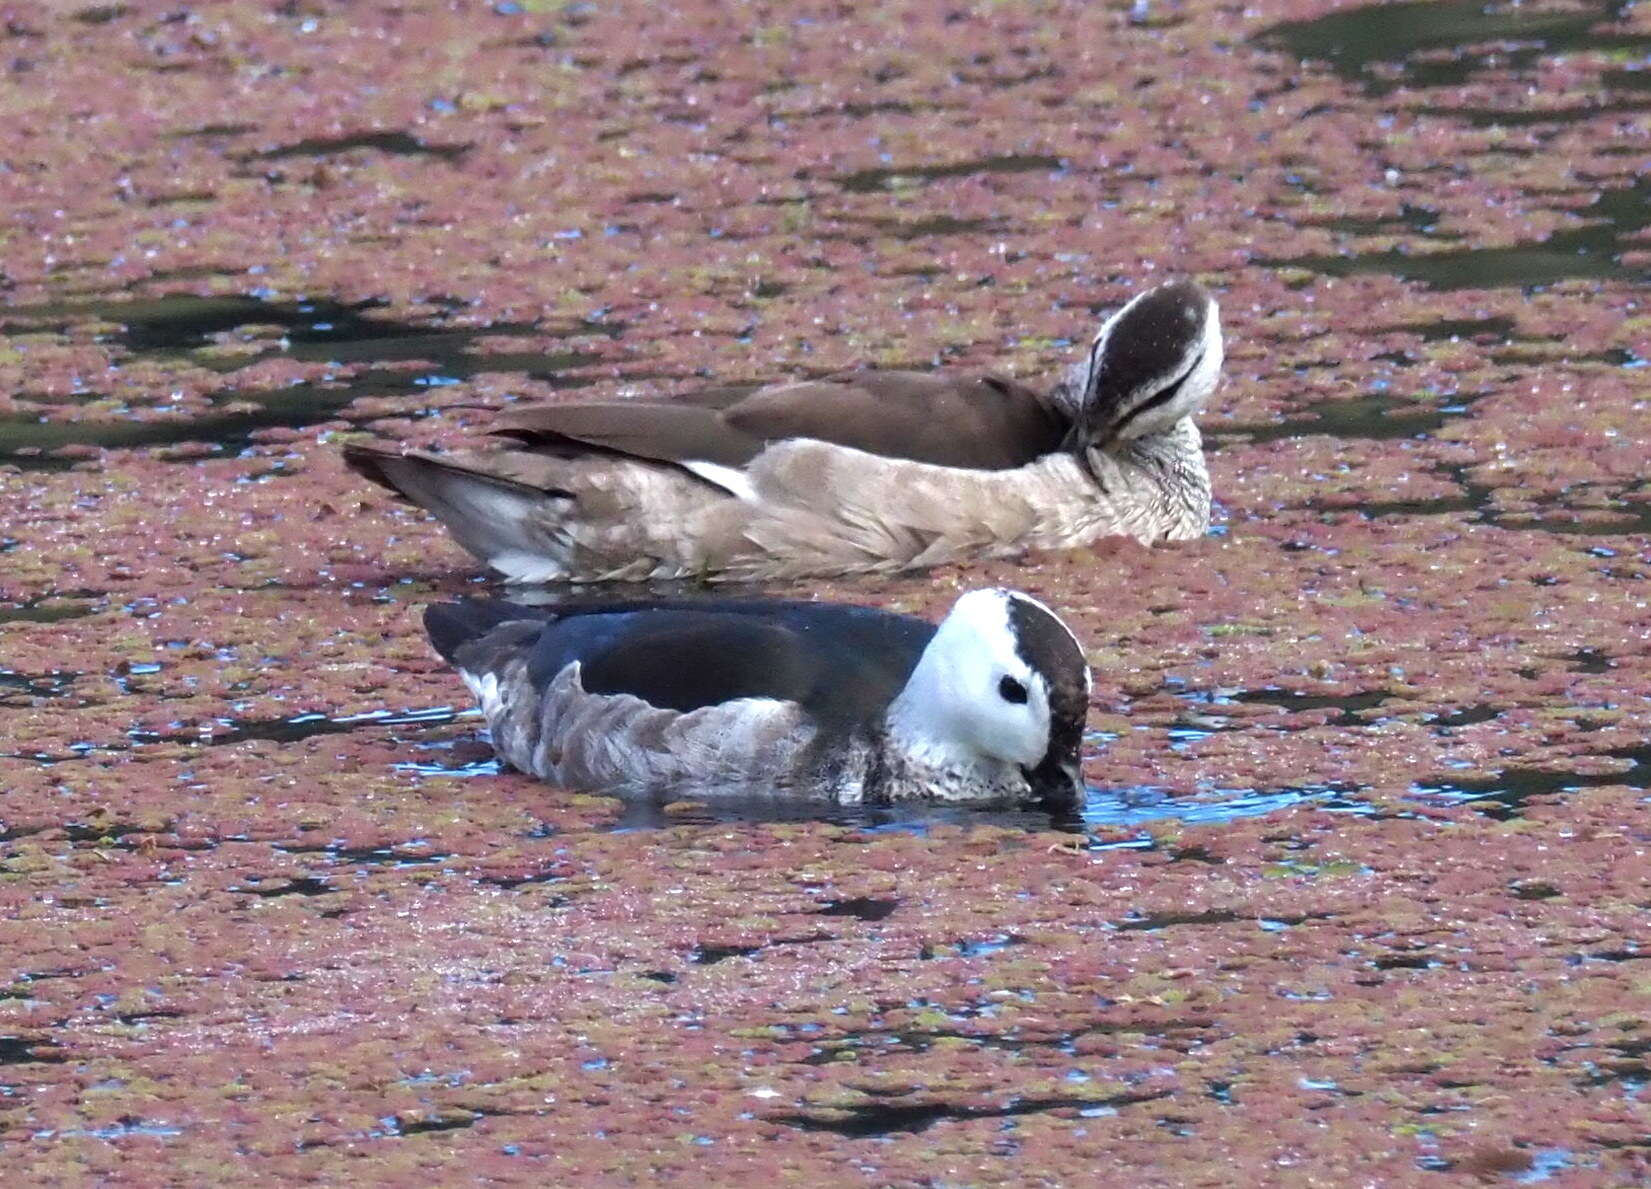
{"x": 1057, "y": 784}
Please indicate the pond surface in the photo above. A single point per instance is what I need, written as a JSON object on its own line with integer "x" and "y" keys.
{"x": 1357, "y": 892}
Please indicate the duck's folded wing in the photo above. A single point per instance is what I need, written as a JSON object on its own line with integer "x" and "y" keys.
{"x": 839, "y": 663}
{"x": 983, "y": 422}
{"x": 680, "y": 659}
{"x": 664, "y": 432}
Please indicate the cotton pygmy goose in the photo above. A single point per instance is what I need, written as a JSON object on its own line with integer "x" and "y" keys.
{"x": 862, "y": 471}
{"x": 808, "y": 701}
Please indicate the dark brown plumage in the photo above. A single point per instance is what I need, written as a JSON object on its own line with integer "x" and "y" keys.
{"x": 981, "y": 422}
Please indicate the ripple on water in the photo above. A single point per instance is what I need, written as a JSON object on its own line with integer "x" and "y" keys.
{"x": 1102, "y": 807}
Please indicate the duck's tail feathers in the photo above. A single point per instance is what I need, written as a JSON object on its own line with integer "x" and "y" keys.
{"x": 480, "y": 639}
{"x": 500, "y": 519}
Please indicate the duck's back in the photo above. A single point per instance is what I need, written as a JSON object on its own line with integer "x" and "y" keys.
{"x": 981, "y": 422}
{"x": 841, "y": 665}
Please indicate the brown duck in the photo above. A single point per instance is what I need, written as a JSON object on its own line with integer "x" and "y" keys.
{"x": 862, "y": 471}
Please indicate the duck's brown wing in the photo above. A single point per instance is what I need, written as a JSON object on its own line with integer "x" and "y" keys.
{"x": 666, "y": 431}
{"x": 983, "y": 422}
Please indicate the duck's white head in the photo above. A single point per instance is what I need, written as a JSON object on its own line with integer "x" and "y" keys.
{"x": 1153, "y": 363}
{"x": 1002, "y": 692}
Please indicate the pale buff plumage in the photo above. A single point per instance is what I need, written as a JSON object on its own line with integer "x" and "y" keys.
{"x": 612, "y": 495}
{"x": 816, "y": 508}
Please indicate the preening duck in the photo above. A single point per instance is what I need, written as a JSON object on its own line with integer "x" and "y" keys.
{"x": 862, "y": 471}
{"x": 754, "y": 698}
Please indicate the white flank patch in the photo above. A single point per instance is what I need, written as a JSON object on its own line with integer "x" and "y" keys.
{"x": 520, "y": 566}
{"x": 494, "y": 504}
{"x": 486, "y": 688}
{"x": 730, "y": 479}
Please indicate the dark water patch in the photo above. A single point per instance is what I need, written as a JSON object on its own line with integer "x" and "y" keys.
{"x": 859, "y": 111}
{"x": 12, "y": 834}
{"x": 343, "y": 853}
{"x": 30, "y": 442}
{"x": 1490, "y": 329}
{"x": 101, "y": 832}
{"x": 307, "y": 885}
{"x": 1563, "y": 256}
{"x": 324, "y": 332}
{"x": 1621, "y": 522}
{"x": 1154, "y": 921}
{"x": 1505, "y": 794}
{"x": 981, "y": 946}
{"x": 19, "y": 1050}
{"x": 1591, "y": 660}
{"x": 1374, "y": 417}
{"x": 184, "y": 323}
{"x": 880, "y": 1119}
{"x": 1591, "y": 252}
{"x": 710, "y": 955}
{"x": 1406, "y": 962}
{"x": 41, "y": 685}
{"x": 1496, "y": 117}
{"x": 1434, "y": 43}
{"x": 1611, "y": 357}
{"x": 925, "y": 228}
{"x": 1373, "y": 509}
{"x": 1466, "y": 717}
{"x": 922, "y": 1040}
{"x": 49, "y": 609}
{"x": 1350, "y": 706}
{"x": 507, "y": 882}
{"x": 865, "y": 908}
{"x": 397, "y": 143}
{"x": 1638, "y": 79}
{"x": 210, "y": 130}
{"x": 312, "y": 330}
{"x": 1418, "y": 219}
{"x": 453, "y": 1122}
{"x": 1534, "y": 889}
{"x": 101, "y": 14}
{"x": 866, "y": 181}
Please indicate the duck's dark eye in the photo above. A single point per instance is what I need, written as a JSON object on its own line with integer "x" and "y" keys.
{"x": 1011, "y": 690}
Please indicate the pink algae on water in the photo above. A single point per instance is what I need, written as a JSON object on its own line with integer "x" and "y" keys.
{"x": 1360, "y": 899}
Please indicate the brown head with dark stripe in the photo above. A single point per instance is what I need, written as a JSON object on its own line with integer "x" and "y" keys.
{"x": 1153, "y": 363}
